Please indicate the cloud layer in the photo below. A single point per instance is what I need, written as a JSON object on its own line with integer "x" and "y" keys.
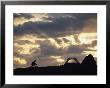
{"x": 53, "y": 36}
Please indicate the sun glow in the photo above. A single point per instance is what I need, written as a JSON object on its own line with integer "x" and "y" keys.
{"x": 60, "y": 60}
{"x": 72, "y": 61}
{"x": 86, "y": 38}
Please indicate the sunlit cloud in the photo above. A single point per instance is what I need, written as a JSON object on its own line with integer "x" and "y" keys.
{"x": 86, "y": 38}
{"x": 20, "y": 60}
{"x": 71, "y": 39}
{"x": 59, "y": 59}
{"x": 26, "y": 48}
{"x": 93, "y": 48}
{"x": 41, "y": 17}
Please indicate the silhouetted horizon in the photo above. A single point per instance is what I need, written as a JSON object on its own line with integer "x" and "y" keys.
{"x": 87, "y": 67}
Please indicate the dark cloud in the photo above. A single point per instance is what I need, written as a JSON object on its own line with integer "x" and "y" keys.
{"x": 65, "y": 40}
{"x": 79, "y": 49}
{"x": 75, "y": 49}
{"x": 80, "y": 16}
{"x": 48, "y": 49}
{"x": 76, "y": 38}
{"x": 58, "y": 41}
{"x": 46, "y": 61}
{"x": 94, "y": 43}
{"x": 60, "y": 26}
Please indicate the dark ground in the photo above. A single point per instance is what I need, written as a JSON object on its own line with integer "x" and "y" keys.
{"x": 87, "y": 67}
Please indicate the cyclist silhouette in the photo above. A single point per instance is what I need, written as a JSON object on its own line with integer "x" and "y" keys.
{"x": 33, "y": 64}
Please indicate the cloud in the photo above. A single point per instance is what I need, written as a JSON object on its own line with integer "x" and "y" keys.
{"x": 22, "y": 42}
{"x": 76, "y": 38}
{"x": 75, "y": 49}
{"x": 21, "y": 18}
{"x": 54, "y": 34}
{"x": 25, "y": 15}
{"x": 90, "y": 25}
{"x": 87, "y": 38}
{"x": 65, "y": 40}
{"x": 58, "y": 40}
{"x": 20, "y": 61}
{"x": 47, "y": 61}
{"x": 59, "y": 26}
{"x": 92, "y": 44}
{"x": 48, "y": 49}
{"x": 16, "y": 49}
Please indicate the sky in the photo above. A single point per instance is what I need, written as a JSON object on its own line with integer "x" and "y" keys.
{"x": 50, "y": 38}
